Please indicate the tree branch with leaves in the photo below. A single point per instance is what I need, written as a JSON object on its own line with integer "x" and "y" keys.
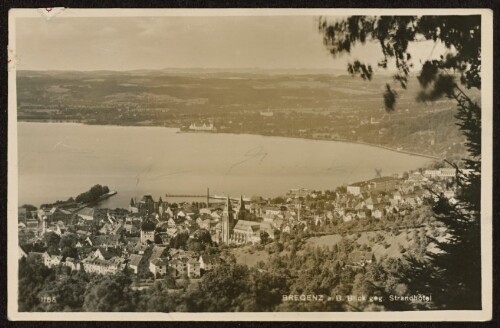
{"x": 455, "y": 273}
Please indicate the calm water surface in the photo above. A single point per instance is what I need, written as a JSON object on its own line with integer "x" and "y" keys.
{"x": 59, "y": 160}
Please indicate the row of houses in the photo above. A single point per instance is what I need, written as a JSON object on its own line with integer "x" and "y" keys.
{"x": 107, "y": 261}
{"x": 49, "y": 260}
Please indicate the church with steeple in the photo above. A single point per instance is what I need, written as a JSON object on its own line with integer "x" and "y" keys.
{"x": 235, "y": 229}
{"x": 228, "y": 221}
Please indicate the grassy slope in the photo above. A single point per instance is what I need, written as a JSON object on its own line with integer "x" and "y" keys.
{"x": 249, "y": 256}
{"x": 405, "y": 238}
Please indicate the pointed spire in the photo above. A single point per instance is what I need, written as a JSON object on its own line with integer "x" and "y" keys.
{"x": 242, "y": 203}
{"x": 228, "y": 207}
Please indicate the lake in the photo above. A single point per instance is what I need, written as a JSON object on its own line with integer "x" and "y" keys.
{"x": 59, "y": 160}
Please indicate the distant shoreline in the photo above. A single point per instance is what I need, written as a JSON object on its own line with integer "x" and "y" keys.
{"x": 253, "y": 134}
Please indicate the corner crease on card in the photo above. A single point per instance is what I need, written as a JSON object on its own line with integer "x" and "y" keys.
{"x": 50, "y": 13}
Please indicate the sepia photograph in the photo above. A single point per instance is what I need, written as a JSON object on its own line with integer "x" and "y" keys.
{"x": 284, "y": 164}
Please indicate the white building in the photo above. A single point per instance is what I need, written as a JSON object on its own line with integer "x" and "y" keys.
{"x": 51, "y": 260}
{"x": 441, "y": 173}
{"x": 202, "y": 127}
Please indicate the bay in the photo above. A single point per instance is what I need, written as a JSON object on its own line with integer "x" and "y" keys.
{"x": 59, "y": 160}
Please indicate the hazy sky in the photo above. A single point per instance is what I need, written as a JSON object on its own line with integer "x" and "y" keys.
{"x": 181, "y": 42}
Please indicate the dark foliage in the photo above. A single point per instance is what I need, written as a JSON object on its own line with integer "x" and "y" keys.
{"x": 460, "y": 34}
{"x": 453, "y": 276}
{"x": 92, "y": 195}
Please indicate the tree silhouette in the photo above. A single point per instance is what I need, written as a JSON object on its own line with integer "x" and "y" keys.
{"x": 454, "y": 275}
{"x": 461, "y": 35}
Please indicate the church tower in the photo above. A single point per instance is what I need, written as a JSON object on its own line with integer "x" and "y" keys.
{"x": 227, "y": 222}
{"x": 161, "y": 208}
{"x": 241, "y": 210}
{"x": 44, "y": 225}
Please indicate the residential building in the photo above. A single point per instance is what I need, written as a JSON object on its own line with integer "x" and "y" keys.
{"x": 193, "y": 268}
{"x": 383, "y": 184}
{"x": 202, "y": 127}
{"x": 357, "y": 188}
{"x": 209, "y": 262}
{"x": 148, "y": 232}
{"x": 179, "y": 267}
{"x": 51, "y": 260}
{"x": 101, "y": 266}
{"x": 158, "y": 267}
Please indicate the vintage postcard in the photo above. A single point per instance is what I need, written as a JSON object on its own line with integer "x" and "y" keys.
{"x": 263, "y": 164}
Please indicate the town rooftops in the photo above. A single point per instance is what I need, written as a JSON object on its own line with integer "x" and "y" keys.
{"x": 139, "y": 247}
{"x": 104, "y": 240}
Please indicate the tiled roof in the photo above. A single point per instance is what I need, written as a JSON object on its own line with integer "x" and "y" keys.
{"x": 247, "y": 225}
{"x": 159, "y": 262}
{"x": 135, "y": 259}
{"x": 110, "y": 252}
{"x": 87, "y": 211}
{"x": 383, "y": 179}
{"x": 158, "y": 252}
{"x": 211, "y": 259}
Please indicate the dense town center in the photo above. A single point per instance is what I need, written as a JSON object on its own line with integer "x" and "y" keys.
{"x": 155, "y": 238}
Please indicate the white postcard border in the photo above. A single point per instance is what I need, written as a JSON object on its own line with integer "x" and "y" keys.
{"x": 486, "y": 182}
